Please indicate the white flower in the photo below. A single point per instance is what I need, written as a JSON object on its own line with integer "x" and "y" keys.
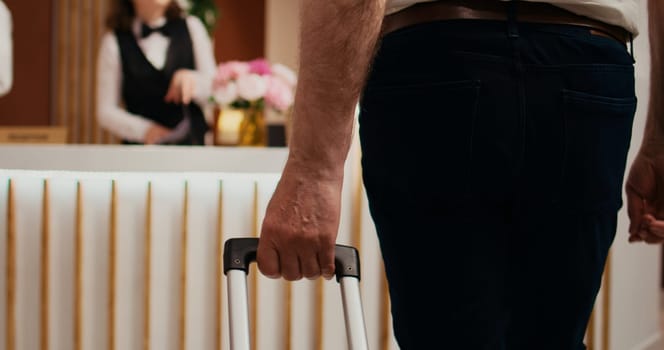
{"x": 284, "y": 73}
{"x": 279, "y": 95}
{"x": 226, "y": 94}
{"x": 184, "y": 4}
{"x": 251, "y": 86}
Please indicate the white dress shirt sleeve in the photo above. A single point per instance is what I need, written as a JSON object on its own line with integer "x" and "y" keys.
{"x": 6, "y": 50}
{"x": 205, "y": 64}
{"x": 110, "y": 113}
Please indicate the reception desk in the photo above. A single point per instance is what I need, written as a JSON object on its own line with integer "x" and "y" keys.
{"x": 119, "y": 247}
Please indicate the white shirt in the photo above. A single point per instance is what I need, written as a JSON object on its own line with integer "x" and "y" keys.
{"x": 6, "y": 51}
{"x": 110, "y": 112}
{"x": 622, "y": 13}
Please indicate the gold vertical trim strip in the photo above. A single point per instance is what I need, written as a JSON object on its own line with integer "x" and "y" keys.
{"x": 112, "y": 257}
{"x": 606, "y": 303}
{"x": 45, "y": 256}
{"x": 183, "y": 273}
{"x": 318, "y": 331}
{"x": 386, "y": 331}
{"x": 357, "y": 209}
{"x": 288, "y": 317}
{"x": 218, "y": 270}
{"x": 78, "y": 272}
{"x": 590, "y": 332}
{"x": 11, "y": 268}
{"x": 254, "y": 271}
{"x": 148, "y": 268}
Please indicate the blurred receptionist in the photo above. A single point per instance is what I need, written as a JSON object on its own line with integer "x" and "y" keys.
{"x": 154, "y": 74}
{"x": 6, "y": 50}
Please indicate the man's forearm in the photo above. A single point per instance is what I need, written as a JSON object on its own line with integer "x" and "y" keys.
{"x": 337, "y": 41}
{"x": 654, "y": 132}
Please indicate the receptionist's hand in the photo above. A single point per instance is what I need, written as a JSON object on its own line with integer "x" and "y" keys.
{"x": 155, "y": 133}
{"x": 182, "y": 88}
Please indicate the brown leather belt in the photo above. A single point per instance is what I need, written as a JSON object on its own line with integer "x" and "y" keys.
{"x": 530, "y": 12}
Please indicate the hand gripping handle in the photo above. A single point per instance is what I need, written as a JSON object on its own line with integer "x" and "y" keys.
{"x": 239, "y": 253}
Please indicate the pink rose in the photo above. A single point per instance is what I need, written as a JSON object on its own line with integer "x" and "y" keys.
{"x": 230, "y": 71}
{"x": 253, "y": 80}
{"x": 279, "y": 95}
{"x": 260, "y": 66}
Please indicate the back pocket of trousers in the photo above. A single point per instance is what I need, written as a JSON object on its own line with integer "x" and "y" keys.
{"x": 598, "y": 132}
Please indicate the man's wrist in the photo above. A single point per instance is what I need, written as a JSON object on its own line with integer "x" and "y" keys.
{"x": 316, "y": 166}
{"x": 652, "y": 147}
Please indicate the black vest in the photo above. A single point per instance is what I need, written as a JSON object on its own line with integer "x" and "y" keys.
{"x": 144, "y": 86}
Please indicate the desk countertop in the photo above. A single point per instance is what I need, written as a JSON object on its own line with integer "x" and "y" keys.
{"x": 143, "y": 158}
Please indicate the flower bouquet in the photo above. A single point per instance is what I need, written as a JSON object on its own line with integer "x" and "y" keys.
{"x": 243, "y": 91}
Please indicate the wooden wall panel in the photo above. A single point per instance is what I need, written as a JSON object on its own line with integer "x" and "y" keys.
{"x": 240, "y": 30}
{"x": 29, "y": 101}
{"x": 80, "y": 25}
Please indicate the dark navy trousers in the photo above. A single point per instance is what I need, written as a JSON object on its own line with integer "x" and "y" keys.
{"x": 493, "y": 158}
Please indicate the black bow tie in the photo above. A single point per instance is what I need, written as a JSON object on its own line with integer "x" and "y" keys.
{"x": 146, "y": 30}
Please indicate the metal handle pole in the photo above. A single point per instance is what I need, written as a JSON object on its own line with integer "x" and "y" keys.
{"x": 353, "y": 314}
{"x": 238, "y": 308}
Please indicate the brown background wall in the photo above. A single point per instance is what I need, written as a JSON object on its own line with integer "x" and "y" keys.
{"x": 55, "y": 48}
{"x": 29, "y": 101}
{"x": 240, "y": 31}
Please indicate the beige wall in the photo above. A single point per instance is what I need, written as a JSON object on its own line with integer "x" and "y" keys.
{"x": 281, "y": 31}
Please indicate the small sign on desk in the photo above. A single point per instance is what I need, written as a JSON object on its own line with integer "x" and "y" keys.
{"x": 33, "y": 134}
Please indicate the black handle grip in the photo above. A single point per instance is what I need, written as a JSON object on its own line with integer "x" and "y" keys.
{"x": 239, "y": 253}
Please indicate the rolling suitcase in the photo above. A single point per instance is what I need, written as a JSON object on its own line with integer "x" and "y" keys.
{"x": 239, "y": 253}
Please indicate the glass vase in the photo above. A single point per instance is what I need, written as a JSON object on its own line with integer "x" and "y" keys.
{"x": 227, "y": 126}
{"x": 252, "y": 131}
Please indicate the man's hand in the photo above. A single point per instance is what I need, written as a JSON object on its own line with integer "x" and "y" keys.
{"x": 645, "y": 196}
{"x": 155, "y": 133}
{"x": 300, "y": 228}
{"x": 182, "y": 88}
{"x": 337, "y": 39}
{"x": 645, "y": 182}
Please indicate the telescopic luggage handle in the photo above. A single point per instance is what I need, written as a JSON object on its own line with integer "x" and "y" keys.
{"x": 239, "y": 253}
